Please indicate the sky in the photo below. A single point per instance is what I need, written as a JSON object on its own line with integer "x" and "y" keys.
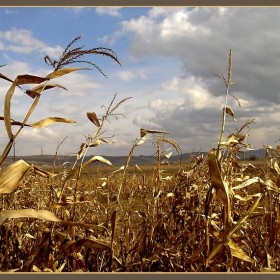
{"x": 170, "y": 58}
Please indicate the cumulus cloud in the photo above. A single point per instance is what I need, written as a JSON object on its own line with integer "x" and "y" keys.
{"x": 22, "y": 41}
{"x": 201, "y": 39}
{"x": 126, "y": 76}
{"x": 158, "y": 104}
{"x": 109, "y": 11}
{"x": 145, "y": 123}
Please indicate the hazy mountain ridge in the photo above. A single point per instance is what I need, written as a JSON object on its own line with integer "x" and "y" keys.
{"x": 117, "y": 160}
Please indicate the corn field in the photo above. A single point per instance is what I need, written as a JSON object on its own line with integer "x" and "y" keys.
{"x": 213, "y": 214}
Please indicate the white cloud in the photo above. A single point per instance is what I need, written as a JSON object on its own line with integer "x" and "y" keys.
{"x": 38, "y": 135}
{"x": 145, "y": 123}
{"x": 126, "y": 76}
{"x": 77, "y": 10}
{"x": 10, "y": 12}
{"x": 22, "y": 41}
{"x": 109, "y": 11}
{"x": 158, "y": 104}
{"x": 201, "y": 39}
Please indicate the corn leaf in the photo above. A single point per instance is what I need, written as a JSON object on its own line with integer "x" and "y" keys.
{"x": 93, "y": 118}
{"x": 142, "y": 141}
{"x": 29, "y": 79}
{"x": 28, "y": 213}
{"x": 96, "y": 158}
{"x": 49, "y": 121}
{"x": 230, "y": 112}
{"x": 238, "y": 252}
{"x": 89, "y": 242}
{"x": 143, "y": 132}
{"x": 13, "y": 122}
{"x": 63, "y": 71}
{"x": 5, "y": 78}
{"x": 12, "y": 176}
{"x": 38, "y": 89}
{"x": 7, "y": 109}
{"x": 216, "y": 178}
{"x": 43, "y": 173}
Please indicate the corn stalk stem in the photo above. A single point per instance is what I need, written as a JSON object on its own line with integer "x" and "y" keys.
{"x": 227, "y": 83}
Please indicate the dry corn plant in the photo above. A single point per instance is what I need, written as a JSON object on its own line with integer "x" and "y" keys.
{"x": 91, "y": 141}
{"x": 160, "y": 138}
{"x": 15, "y": 175}
{"x": 227, "y": 183}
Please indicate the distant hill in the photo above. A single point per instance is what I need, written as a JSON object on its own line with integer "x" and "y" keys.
{"x": 118, "y": 160}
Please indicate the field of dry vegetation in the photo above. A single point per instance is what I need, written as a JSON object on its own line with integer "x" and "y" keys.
{"x": 209, "y": 214}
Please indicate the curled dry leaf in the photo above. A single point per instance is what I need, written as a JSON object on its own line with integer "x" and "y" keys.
{"x": 43, "y": 173}
{"x": 247, "y": 198}
{"x": 173, "y": 143}
{"x": 99, "y": 141}
{"x": 38, "y": 89}
{"x": 28, "y": 213}
{"x": 268, "y": 184}
{"x": 143, "y": 132}
{"x": 138, "y": 168}
{"x": 39, "y": 214}
{"x": 93, "y": 118}
{"x": 276, "y": 167}
{"x": 231, "y": 140}
{"x": 89, "y": 242}
{"x": 238, "y": 252}
{"x": 93, "y": 159}
{"x": 142, "y": 141}
{"x": 82, "y": 150}
{"x": 49, "y": 121}
{"x": 168, "y": 155}
{"x": 13, "y": 122}
{"x": 5, "y": 78}
{"x": 29, "y": 79}
{"x": 216, "y": 179}
{"x": 63, "y": 71}
{"x": 119, "y": 169}
{"x": 247, "y": 183}
{"x": 230, "y": 112}
{"x": 21, "y": 79}
{"x": 96, "y": 158}
{"x": 13, "y": 175}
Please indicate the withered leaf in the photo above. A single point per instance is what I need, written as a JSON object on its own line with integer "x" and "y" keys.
{"x": 63, "y": 71}
{"x": 230, "y": 112}
{"x": 93, "y": 118}
{"x": 13, "y": 175}
{"x": 43, "y": 173}
{"x": 89, "y": 242}
{"x": 141, "y": 141}
{"x": 28, "y": 213}
{"x": 143, "y": 132}
{"x": 49, "y": 121}
{"x": 38, "y": 89}
{"x": 5, "y": 78}
{"x": 238, "y": 252}
{"x": 29, "y": 79}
